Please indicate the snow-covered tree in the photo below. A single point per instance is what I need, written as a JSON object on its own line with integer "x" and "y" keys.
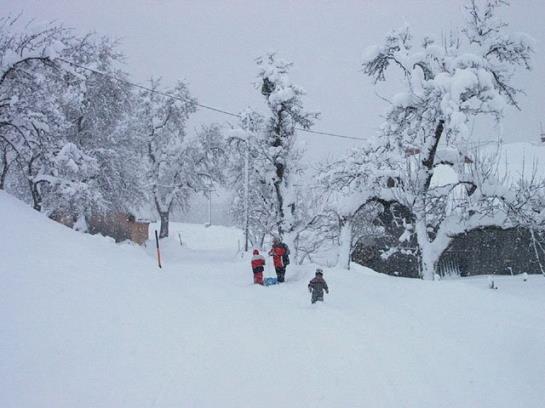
{"x": 248, "y": 176}
{"x": 351, "y": 194}
{"x": 281, "y": 166}
{"x": 160, "y": 123}
{"x": 69, "y": 182}
{"x": 30, "y": 115}
{"x": 99, "y": 123}
{"x": 176, "y": 165}
{"x": 421, "y": 160}
{"x": 49, "y": 117}
{"x": 35, "y": 125}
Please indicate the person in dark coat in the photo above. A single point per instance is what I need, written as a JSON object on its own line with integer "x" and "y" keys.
{"x": 258, "y": 266}
{"x": 317, "y": 286}
{"x": 280, "y": 253}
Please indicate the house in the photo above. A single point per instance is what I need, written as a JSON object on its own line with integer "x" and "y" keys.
{"x": 484, "y": 251}
{"x": 120, "y": 226}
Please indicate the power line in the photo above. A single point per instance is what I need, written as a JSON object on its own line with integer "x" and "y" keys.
{"x": 198, "y": 104}
{"x": 329, "y": 134}
{"x": 145, "y": 87}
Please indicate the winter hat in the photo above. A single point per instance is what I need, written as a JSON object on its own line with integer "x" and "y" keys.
{"x": 319, "y": 272}
{"x": 256, "y": 252}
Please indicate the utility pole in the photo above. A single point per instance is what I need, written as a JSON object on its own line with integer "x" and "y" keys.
{"x": 158, "y": 251}
{"x": 246, "y": 198}
{"x": 209, "y": 207}
{"x": 209, "y": 191}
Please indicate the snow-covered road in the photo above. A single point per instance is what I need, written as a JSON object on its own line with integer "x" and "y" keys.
{"x": 88, "y": 323}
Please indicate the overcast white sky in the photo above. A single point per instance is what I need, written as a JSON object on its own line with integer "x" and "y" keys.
{"x": 213, "y": 44}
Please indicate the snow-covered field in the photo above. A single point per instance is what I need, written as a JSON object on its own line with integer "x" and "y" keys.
{"x": 88, "y": 323}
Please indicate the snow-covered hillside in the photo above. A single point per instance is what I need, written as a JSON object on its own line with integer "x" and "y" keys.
{"x": 511, "y": 161}
{"x": 88, "y": 323}
{"x": 516, "y": 160}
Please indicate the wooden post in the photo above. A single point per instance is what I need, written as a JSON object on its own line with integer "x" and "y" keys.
{"x": 158, "y": 252}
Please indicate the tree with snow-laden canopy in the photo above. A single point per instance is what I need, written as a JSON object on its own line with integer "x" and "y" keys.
{"x": 421, "y": 159}
{"x": 353, "y": 186}
{"x": 175, "y": 165}
{"x": 56, "y": 119}
{"x": 280, "y": 167}
{"x": 77, "y": 139}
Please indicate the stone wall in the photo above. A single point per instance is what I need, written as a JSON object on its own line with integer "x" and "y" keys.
{"x": 484, "y": 251}
{"x": 374, "y": 253}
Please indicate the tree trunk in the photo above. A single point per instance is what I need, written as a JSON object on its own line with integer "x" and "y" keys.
{"x": 36, "y": 196}
{"x": 345, "y": 243}
{"x": 280, "y": 171}
{"x": 533, "y": 236}
{"x": 279, "y": 207}
{"x": 428, "y": 258}
{"x": 33, "y": 185}
{"x": 429, "y": 162}
{"x": 427, "y": 263}
{"x": 3, "y": 174}
{"x": 5, "y": 168}
{"x": 164, "y": 215}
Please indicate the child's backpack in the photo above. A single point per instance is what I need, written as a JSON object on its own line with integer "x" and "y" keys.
{"x": 286, "y": 256}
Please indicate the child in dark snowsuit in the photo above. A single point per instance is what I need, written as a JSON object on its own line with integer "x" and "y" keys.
{"x": 258, "y": 263}
{"x": 317, "y": 286}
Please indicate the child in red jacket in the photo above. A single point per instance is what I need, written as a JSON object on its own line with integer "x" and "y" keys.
{"x": 258, "y": 266}
{"x": 280, "y": 253}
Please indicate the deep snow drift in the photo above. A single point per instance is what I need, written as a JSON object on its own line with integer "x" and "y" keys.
{"x": 88, "y": 323}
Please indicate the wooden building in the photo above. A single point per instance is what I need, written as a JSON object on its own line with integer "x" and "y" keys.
{"x": 120, "y": 226}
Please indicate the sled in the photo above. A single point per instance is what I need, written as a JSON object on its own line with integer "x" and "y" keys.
{"x": 270, "y": 281}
